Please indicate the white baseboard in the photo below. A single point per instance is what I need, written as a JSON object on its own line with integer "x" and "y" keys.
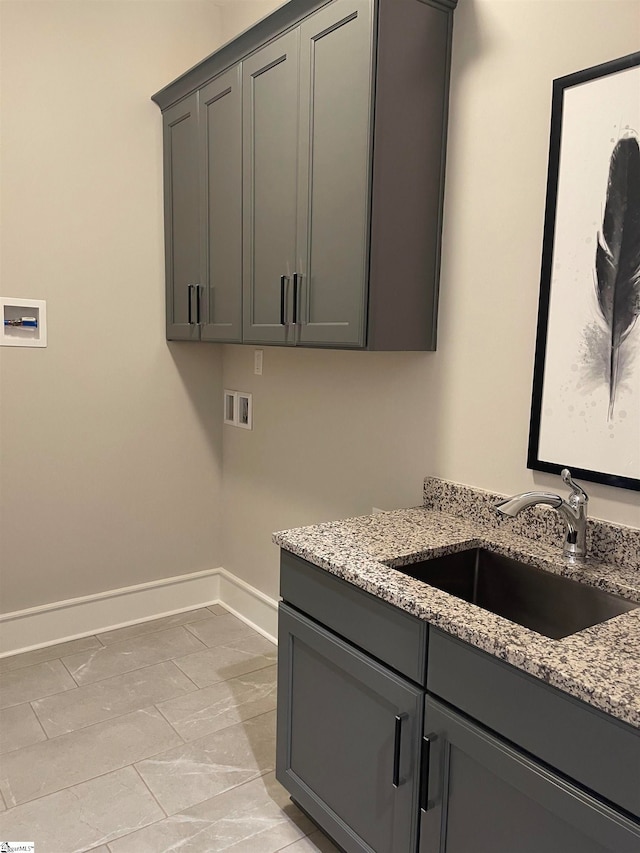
{"x": 249, "y": 604}
{"x": 48, "y": 624}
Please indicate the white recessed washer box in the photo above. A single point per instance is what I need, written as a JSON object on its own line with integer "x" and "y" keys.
{"x": 24, "y": 322}
{"x": 231, "y": 407}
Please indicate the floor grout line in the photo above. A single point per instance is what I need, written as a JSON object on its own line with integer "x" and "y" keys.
{"x": 59, "y": 790}
{"x": 106, "y": 719}
{"x": 158, "y": 630}
{"x": 195, "y": 635}
{"x": 135, "y": 669}
{"x": 45, "y": 660}
{"x": 31, "y": 666}
{"x": 103, "y": 645}
{"x": 164, "y": 717}
{"x": 222, "y": 728}
{"x": 174, "y": 660}
{"x": 259, "y": 775}
{"x": 155, "y": 799}
{"x": 213, "y": 683}
{"x": 69, "y": 671}
{"x": 182, "y": 672}
{"x": 99, "y": 775}
{"x": 37, "y": 698}
{"x": 35, "y": 713}
{"x": 202, "y": 737}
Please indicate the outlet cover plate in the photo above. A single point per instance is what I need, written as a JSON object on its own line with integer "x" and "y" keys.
{"x": 244, "y": 410}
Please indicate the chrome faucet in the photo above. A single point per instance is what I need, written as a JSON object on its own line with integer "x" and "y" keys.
{"x": 573, "y": 512}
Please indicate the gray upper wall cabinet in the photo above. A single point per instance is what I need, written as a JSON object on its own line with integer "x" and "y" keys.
{"x": 342, "y": 143}
{"x": 203, "y": 212}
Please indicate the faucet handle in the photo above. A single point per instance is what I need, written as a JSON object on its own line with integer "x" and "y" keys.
{"x": 578, "y": 495}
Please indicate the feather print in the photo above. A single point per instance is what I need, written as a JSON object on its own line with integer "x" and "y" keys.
{"x": 617, "y": 259}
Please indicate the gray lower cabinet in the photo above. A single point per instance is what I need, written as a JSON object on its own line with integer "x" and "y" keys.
{"x": 349, "y": 733}
{"x": 487, "y": 760}
{"x": 599, "y": 752}
{"x": 338, "y": 179}
{"x": 484, "y": 796}
{"x": 203, "y": 212}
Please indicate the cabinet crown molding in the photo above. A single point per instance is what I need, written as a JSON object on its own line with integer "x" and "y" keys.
{"x": 276, "y": 22}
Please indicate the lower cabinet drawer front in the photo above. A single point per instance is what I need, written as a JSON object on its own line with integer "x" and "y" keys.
{"x": 596, "y": 750}
{"x": 394, "y": 637}
{"x": 341, "y": 753}
{"x": 484, "y": 796}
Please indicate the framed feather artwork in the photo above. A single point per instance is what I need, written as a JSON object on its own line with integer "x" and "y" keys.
{"x": 585, "y": 412}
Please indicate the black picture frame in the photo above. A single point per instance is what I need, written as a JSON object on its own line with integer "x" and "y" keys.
{"x": 537, "y": 458}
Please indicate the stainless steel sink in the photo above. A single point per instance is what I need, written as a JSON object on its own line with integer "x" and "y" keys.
{"x": 549, "y": 604}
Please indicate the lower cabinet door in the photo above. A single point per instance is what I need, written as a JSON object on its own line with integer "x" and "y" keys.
{"x": 349, "y": 737}
{"x": 483, "y": 796}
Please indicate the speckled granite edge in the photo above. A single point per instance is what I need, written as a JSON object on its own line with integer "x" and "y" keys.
{"x": 606, "y": 542}
{"x": 599, "y": 665}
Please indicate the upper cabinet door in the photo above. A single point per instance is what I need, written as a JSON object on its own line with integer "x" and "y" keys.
{"x": 270, "y": 145}
{"x": 183, "y": 271}
{"x": 221, "y": 207}
{"x": 334, "y": 173}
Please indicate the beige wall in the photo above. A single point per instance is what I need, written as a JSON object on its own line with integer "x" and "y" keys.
{"x": 337, "y": 433}
{"x": 110, "y": 439}
{"x": 237, "y": 15}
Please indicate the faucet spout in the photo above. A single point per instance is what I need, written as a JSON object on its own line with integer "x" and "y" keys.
{"x": 513, "y": 506}
{"x": 573, "y": 512}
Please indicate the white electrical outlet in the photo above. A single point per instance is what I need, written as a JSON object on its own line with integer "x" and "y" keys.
{"x": 257, "y": 361}
{"x": 244, "y": 415}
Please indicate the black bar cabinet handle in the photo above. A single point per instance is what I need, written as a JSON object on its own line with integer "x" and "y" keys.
{"x": 283, "y": 299}
{"x": 396, "y": 752}
{"x": 197, "y": 286}
{"x": 424, "y": 772}
{"x": 295, "y": 297}
{"x": 189, "y": 295}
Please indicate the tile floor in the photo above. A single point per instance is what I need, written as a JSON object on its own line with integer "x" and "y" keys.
{"x": 156, "y": 737}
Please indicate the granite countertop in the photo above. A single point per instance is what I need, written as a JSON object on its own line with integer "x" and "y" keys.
{"x": 599, "y": 665}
